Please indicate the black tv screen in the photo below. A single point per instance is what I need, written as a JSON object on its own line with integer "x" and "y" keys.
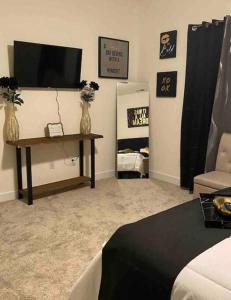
{"x": 39, "y": 65}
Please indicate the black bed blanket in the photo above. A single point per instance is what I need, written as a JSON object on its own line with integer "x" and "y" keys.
{"x": 142, "y": 259}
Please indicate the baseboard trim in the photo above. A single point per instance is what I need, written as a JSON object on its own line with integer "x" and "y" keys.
{"x": 105, "y": 174}
{"x": 7, "y": 196}
{"x": 164, "y": 177}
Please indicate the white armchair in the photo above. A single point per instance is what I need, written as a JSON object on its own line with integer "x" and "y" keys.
{"x": 221, "y": 177}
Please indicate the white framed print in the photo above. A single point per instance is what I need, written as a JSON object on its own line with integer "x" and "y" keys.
{"x": 55, "y": 129}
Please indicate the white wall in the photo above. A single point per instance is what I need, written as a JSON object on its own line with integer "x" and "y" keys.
{"x": 68, "y": 23}
{"x": 165, "y": 113}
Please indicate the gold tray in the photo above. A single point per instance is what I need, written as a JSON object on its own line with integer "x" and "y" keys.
{"x": 219, "y": 203}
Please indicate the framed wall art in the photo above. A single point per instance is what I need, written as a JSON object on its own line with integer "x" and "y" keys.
{"x": 113, "y": 58}
{"x": 138, "y": 116}
{"x": 55, "y": 129}
{"x": 168, "y": 44}
{"x": 166, "y": 84}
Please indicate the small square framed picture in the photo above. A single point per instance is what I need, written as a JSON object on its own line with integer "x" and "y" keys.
{"x": 166, "y": 84}
{"x": 55, "y": 129}
{"x": 113, "y": 58}
{"x": 168, "y": 44}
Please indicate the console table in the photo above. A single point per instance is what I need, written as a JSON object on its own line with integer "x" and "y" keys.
{"x": 36, "y": 192}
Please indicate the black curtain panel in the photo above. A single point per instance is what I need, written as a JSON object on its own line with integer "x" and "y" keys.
{"x": 203, "y": 57}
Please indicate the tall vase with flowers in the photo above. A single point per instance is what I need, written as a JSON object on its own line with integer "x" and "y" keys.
{"x": 9, "y": 87}
{"x": 87, "y": 95}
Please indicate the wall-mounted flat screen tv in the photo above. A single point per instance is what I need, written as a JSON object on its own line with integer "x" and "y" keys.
{"x": 39, "y": 65}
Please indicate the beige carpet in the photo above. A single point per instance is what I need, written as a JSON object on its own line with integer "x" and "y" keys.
{"x": 45, "y": 247}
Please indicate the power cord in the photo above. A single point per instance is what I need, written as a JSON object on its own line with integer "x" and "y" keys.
{"x": 66, "y": 155}
{"x": 58, "y": 106}
{"x": 60, "y": 121}
{"x": 62, "y": 144}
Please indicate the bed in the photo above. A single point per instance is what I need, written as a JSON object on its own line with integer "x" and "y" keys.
{"x": 165, "y": 256}
{"x": 131, "y": 162}
{"x": 133, "y": 158}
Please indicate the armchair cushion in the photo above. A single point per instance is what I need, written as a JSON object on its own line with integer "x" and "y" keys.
{"x": 224, "y": 154}
{"x": 215, "y": 179}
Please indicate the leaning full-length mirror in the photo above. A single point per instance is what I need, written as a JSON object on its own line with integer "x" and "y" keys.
{"x": 132, "y": 160}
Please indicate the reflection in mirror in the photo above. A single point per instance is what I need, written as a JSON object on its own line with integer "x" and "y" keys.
{"x": 132, "y": 159}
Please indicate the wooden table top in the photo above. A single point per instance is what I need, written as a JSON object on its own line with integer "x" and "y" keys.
{"x": 50, "y": 140}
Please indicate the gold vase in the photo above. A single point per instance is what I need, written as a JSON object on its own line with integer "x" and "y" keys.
{"x": 12, "y": 126}
{"x": 85, "y": 123}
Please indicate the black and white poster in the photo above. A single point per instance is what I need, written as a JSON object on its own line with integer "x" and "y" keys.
{"x": 113, "y": 58}
{"x": 168, "y": 44}
{"x": 138, "y": 116}
{"x": 166, "y": 84}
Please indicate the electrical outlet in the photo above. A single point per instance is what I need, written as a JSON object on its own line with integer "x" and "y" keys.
{"x": 73, "y": 163}
{"x": 75, "y": 158}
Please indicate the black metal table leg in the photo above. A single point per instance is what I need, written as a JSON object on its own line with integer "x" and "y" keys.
{"x": 81, "y": 165}
{"x": 29, "y": 176}
{"x": 19, "y": 171}
{"x": 92, "y": 164}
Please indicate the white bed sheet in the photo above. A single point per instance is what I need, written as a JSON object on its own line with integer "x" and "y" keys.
{"x": 87, "y": 286}
{"x": 130, "y": 162}
{"x": 207, "y": 277}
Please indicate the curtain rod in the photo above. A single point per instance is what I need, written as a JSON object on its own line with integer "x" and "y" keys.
{"x": 206, "y": 24}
